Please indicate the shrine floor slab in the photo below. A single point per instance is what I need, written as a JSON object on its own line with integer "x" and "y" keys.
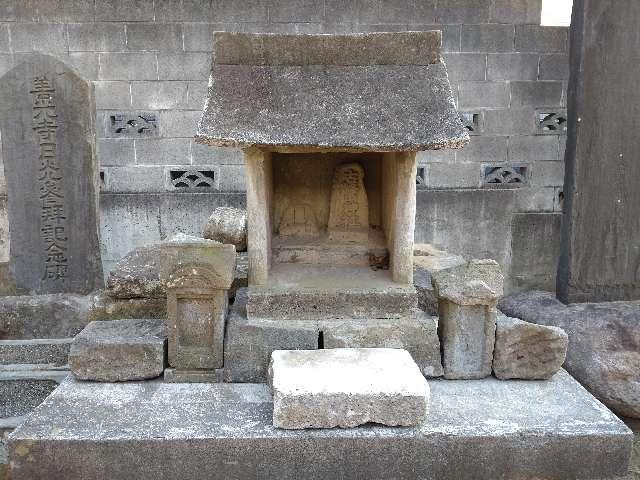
{"x": 477, "y": 429}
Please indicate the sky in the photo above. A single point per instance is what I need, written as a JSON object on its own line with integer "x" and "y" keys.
{"x": 556, "y": 12}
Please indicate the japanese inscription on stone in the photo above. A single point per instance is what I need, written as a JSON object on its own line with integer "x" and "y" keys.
{"x": 48, "y": 145}
{"x": 53, "y": 226}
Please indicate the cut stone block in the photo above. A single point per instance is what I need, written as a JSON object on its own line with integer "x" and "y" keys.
{"x": 476, "y": 429}
{"x": 526, "y": 350}
{"x": 426, "y": 260}
{"x": 250, "y": 342}
{"x": 119, "y": 350}
{"x": 480, "y": 282}
{"x": 228, "y": 225}
{"x": 53, "y": 352}
{"x": 346, "y": 387}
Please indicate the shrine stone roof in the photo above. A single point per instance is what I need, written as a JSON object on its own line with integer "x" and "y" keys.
{"x": 359, "y": 92}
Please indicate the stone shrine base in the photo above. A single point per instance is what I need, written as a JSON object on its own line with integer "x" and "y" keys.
{"x": 477, "y": 429}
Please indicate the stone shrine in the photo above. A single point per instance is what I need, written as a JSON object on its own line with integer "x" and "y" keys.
{"x": 330, "y": 162}
{"x": 48, "y": 148}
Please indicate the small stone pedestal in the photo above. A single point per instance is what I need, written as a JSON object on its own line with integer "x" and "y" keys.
{"x": 198, "y": 276}
{"x": 467, "y": 297}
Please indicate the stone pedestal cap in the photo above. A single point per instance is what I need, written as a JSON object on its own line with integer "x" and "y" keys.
{"x": 197, "y": 256}
{"x": 479, "y": 282}
{"x": 358, "y": 92}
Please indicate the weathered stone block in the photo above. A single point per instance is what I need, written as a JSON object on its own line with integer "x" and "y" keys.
{"x": 346, "y": 387}
{"x": 604, "y": 344}
{"x": 466, "y": 66}
{"x": 53, "y": 352}
{"x": 483, "y": 95}
{"x": 228, "y": 225}
{"x": 423, "y": 266}
{"x": 155, "y": 431}
{"x": 138, "y": 274}
{"x": 512, "y": 66}
{"x": 487, "y": 38}
{"x": 119, "y": 350}
{"x": 536, "y": 94}
{"x": 416, "y": 334}
{"x": 467, "y": 297}
{"x": 536, "y": 38}
{"x": 154, "y": 36}
{"x": 467, "y": 335}
{"x": 526, "y": 350}
{"x": 173, "y": 375}
{"x": 128, "y": 66}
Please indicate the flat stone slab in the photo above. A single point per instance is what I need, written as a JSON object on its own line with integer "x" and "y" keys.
{"x": 481, "y": 429}
{"x": 119, "y": 350}
{"x": 346, "y": 387}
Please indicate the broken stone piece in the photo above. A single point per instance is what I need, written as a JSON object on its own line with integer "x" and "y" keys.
{"x": 527, "y": 351}
{"x": 119, "y": 350}
{"x": 480, "y": 282}
{"x": 346, "y": 387}
{"x": 228, "y": 225}
{"x": 426, "y": 260}
{"x": 137, "y": 275}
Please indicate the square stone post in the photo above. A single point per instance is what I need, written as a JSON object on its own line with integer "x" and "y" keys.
{"x": 404, "y": 219}
{"x": 467, "y": 299}
{"x": 259, "y": 198}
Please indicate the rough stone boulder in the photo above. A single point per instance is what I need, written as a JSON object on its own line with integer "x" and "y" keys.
{"x": 228, "y": 225}
{"x": 137, "y": 275}
{"x": 527, "y": 351}
{"x": 604, "y": 343}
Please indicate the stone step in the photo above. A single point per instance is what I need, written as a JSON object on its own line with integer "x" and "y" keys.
{"x": 22, "y": 388}
{"x": 53, "y": 352}
{"x": 476, "y": 429}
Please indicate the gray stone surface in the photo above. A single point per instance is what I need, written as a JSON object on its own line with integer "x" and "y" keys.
{"x": 526, "y": 350}
{"x": 23, "y": 390}
{"x": 265, "y": 91}
{"x": 52, "y": 352}
{"x": 173, "y": 375}
{"x": 483, "y": 430}
{"x": 391, "y": 301}
{"x": 346, "y": 387}
{"x": 604, "y": 343}
{"x": 228, "y": 225}
{"x": 137, "y": 275}
{"x": 479, "y": 282}
{"x": 65, "y": 315}
{"x": 250, "y": 342}
{"x": 52, "y": 177}
{"x": 427, "y": 259}
{"x": 119, "y": 350}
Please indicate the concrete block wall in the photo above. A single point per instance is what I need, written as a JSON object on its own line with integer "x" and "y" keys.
{"x": 149, "y": 62}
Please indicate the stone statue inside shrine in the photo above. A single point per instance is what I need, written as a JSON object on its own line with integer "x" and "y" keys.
{"x": 349, "y": 211}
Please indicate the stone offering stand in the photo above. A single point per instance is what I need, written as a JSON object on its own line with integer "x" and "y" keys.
{"x": 329, "y": 126}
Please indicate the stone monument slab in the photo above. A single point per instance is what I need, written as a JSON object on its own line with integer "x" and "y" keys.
{"x": 48, "y": 147}
{"x": 346, "y": 387}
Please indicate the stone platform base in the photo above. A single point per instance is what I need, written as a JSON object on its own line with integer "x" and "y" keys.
{"x": 249, "y": 342}
{"x": 477, "y": 429}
